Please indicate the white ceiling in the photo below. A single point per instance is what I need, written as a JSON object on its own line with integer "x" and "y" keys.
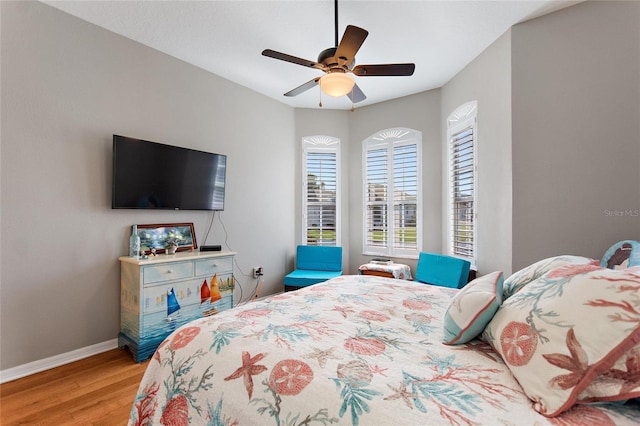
{"x": 227, "y": 37}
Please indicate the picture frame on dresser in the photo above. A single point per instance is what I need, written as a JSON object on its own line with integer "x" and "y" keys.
{"x": 156, "y": 236}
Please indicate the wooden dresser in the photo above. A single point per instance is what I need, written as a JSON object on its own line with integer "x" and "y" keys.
{"x": 159, "y": 294}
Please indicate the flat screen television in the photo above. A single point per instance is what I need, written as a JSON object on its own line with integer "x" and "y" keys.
{"x": 151, "y": 175}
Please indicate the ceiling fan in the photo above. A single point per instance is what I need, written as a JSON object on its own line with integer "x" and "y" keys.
{"x": 337, "y": 62}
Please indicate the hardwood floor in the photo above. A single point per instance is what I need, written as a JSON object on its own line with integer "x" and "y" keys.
{"x": 94, "y": 391}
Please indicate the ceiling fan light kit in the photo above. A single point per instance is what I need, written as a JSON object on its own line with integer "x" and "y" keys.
{"x": 336, "y": 84}
{"x": 337, "y": 62}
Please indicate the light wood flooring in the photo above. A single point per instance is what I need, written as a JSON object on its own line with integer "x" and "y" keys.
{"x": 94, "y": 391}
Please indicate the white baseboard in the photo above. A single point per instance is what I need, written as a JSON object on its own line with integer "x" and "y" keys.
{"x": 55, "y": 361}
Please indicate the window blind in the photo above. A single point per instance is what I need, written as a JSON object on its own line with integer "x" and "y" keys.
{"x": 321, "y": 190}
{"x": 391, "y": 175}
{"x": 405, "y": 187}
{"x": 377, "y": 184}
{"x": 462, "y": 181}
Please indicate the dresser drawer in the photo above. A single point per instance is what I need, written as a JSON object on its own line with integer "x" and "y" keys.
{"x": 214, "y": 265}
{"x": 167, "y": 272}
{"x": 155, "y": 298}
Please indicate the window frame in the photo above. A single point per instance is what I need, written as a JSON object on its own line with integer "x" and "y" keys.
{"x": 463, "y": 117}
{"x": 388, "y": 140}
{"x": 321, "y": 144}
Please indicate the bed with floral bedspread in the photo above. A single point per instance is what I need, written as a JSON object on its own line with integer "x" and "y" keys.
{"x": 367, "y": 350}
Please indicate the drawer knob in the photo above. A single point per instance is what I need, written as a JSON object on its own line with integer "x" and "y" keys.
{"x": 169, "y": 271}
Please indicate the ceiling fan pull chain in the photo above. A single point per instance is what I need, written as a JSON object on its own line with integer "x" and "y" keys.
{"x": 352, "y": 107}
{"x": 320, "y": 83}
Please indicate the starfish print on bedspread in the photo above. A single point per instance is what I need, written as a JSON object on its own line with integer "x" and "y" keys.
{"x": 248, "y": 369}
{"x": 402, "y": 393}
{"x": 321, "y": 355}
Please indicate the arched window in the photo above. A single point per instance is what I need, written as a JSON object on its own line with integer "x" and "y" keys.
{"x": 321, "y": 191}
{"x": 392, "y": 204}
{"x": 462, "y": 182}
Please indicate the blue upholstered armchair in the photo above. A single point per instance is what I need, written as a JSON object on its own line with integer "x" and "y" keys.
{"x": 314, "y": 264}
{"x": 442, "y": 270}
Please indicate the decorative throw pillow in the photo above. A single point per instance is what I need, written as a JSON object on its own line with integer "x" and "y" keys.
{"x": 565, "y": 329}
{"x": 622, "y": 381}
{"x": 472, "y": 309}
{"x": 532, "y": 272}
{"x": 618, "y": 383}
{"x": 621, "y": 255}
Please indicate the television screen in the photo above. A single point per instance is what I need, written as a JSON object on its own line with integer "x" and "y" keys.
{"x": 151, "y": 175}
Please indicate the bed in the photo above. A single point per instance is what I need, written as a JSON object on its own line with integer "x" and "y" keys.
{"x": 368, "y": 350}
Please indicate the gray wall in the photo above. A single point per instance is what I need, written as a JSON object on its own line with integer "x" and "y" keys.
{"x": 576, "y": 139}
{"x": 487, "y": 79}
{"x": 67, "y": 86}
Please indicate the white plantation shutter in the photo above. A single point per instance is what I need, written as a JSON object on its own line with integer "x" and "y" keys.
{"x": 462, "y": 182}
{"x": 376, "y": 198}
{"x": 462, "y": 178}
{"x": 405, "y": 190}
{"x": 392, "y": 193}
{"x": 320, "y": 191}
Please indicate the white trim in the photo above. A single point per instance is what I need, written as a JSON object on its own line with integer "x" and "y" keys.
{"x": 387, "y": 140}
{"x": 56, "y": 361}
{"x": 466, "y": 115}
{"x": 321, "y": 144}
{"x": 462, "y": 114}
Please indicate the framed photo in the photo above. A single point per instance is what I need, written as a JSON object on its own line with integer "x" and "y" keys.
{"x": 159, "y": 236}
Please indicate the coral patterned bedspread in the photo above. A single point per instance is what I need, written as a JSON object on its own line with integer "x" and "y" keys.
{"x": 356, "y": 350}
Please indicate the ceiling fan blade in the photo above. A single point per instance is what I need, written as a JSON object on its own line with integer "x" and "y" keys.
{"x": 293, "y": 59}
{"x": 303, "y": 87}
{"x": 384, "y": 70}
{"x": 356, "y": 95}
{"x": 352, "y": 39}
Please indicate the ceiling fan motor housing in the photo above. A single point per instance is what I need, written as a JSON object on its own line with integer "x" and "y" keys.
{"x": 328, "y": 59}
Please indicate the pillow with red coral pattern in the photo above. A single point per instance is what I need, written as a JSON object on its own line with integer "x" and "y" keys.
{"x": 562, "y": 334}
{"x": 622, "y": 380}
{"x": 519, "y": 279}
{"x": 618, "y": 383}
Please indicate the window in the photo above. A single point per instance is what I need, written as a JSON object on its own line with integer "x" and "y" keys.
{"x": 320, "y": 191}
{"x": 462, "y": 135}
{"x": 392, "y": 193}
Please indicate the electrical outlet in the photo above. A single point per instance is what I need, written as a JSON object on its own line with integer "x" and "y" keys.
{"x": 257, "y": 271}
